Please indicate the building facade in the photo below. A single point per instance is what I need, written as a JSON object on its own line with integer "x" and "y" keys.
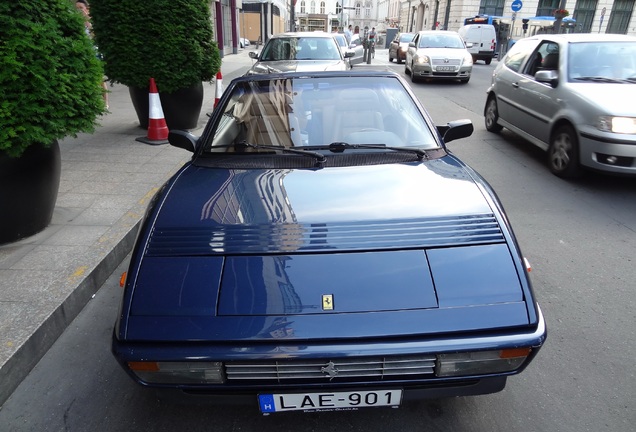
{"x": 256, "y": 20}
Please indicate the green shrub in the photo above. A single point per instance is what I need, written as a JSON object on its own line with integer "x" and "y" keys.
{"x": 50, "y": 78}
{"x": 168, "y": 40}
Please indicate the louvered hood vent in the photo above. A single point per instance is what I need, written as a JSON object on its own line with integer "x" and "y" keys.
{"x": 312, "y": 238}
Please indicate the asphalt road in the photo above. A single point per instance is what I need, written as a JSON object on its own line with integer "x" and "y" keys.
{"x": 580, "y": 237}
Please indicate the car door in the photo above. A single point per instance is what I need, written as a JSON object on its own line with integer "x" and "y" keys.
{"x": 539, "y": 101}
{"x": 411, "y": 51}
{"x": 356, "y": 46}
{"x": 506, "y": 80}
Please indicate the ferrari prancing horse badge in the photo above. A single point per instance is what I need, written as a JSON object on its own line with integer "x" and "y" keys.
{"x": 327, "y": 302}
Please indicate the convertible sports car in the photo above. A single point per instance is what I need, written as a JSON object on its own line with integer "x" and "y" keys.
{"x": 316, "y": 254}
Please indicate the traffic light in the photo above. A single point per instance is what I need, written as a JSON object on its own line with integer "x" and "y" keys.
{"x": 524, "y": 26}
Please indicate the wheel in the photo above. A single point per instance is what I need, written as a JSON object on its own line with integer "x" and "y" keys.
{"x": 563, "y": 153}
{"x": 399, "y": 60}
{"x": 488, "y": 61}
{"x": 407, "y": 71}
{"x": 390, "y": 59}
{"x": 413, "y": 77}
{"x": 491, "y": 115}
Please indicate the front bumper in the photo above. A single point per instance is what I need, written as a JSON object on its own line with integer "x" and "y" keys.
{"x": 608, "y": 152}
{"x": 424, "y": 384}
{"x": 466, "y": 387}
{"x": 431, "y": 72}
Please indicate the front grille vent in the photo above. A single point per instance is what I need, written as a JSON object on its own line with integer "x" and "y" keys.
{"x": 371, "y": 368}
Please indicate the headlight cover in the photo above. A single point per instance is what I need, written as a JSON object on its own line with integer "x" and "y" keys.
{"x": 622, "y": 125}
{"x": 468, "y": 59}
{"x": 423, "y": 59}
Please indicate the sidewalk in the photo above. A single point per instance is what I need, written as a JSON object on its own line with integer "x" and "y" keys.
{"x": 107, "y": 180}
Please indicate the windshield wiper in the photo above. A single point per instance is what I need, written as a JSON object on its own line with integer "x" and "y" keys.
{"x": 242, "y": 145}
{"x": 339, "y": 147}
{"x": 605, "y": 79}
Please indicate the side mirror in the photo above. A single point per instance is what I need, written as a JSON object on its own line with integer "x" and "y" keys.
{"x": 550, "y": 77}
{"x": 412, "y": 44}
{"x": 469, "y": 44}
{"x": 455, "y": 130}
{"x": 253, "y": 55}
{"x": 182, "y": 139}
{"x": 349, "y": 53}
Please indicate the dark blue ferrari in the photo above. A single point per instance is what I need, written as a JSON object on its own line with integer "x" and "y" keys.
{"x": 318, "y": 254}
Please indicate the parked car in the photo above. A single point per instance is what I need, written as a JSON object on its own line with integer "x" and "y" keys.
{"x": 438, "y": 54}
{"x": 342, "y": 43}
{"x": 399, "y": 45}
{"x": 358, "y": 50}
{"x": 292, "y": 263}
{"x": 481, "y": 41}
{"x": 571, "y": 95}
{"x": 244, "y": 42}
{"x": 299, "y": 51}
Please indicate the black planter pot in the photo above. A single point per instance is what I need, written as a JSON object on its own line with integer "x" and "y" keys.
{"x": 28, "y": 191}
{"x": 181, "y": 108}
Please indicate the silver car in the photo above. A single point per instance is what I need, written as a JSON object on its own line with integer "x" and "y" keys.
{"x": 357, "y": 47}
{"x": 437, "y": 55}
{"x": 571, "y": 95}
{"x": 299, "y": 52}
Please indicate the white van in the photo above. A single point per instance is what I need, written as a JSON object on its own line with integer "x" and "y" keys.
{"x": 481, "y": 41}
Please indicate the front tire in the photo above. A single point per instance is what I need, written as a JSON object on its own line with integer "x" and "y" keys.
{"x": 491, "y": 116}
{"x": 563, "y": 153}
{"x": 488, "y": 61}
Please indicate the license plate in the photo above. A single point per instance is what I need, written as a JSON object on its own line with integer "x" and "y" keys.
{"x": 335, "y": 401}
{"x": 445, "y": 68}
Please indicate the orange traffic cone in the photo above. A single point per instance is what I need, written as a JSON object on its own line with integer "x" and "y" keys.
{"x": 218, "y": 91}
{"x": 157, "y": 127}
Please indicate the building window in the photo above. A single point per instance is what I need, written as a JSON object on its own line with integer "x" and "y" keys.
{"x": 338, "y": 8}
{"x": 547, "y": 7}
{"x": 302, "y": 6}
{"x": 491, "y": 7}
{"x": 367, "y": 10}
{"x": 322, "y": 8}
{"x": 312, "y": 7}
{"x": 357, "y": 9}
{"x": 584, "y": 15}
{"x": 619, "y": 18}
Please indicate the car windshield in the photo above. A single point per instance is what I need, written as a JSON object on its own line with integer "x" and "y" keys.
{"x": 406, "y": 37}
{"x": 317, "y": 111}
{"x": 602, "y": 62}
{"x": 301, "y": 48}
{"x": 440, "y": 41}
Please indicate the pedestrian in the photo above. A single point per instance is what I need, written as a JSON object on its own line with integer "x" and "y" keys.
{"x": 82, "y": 6}
{"x": 348, "y": 34}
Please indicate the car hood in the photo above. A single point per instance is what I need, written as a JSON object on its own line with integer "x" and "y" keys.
{"x": 303, "y": 254}
{"x": 297, "y": 66}
{"x": 606, "y": 98}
